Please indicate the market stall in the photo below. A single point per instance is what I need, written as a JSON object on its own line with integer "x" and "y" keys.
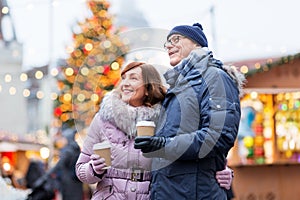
{"x": 16, "y": 152}
{"x": 266, "y": 156}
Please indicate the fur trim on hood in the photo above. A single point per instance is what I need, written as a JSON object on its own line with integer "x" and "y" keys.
{"x": 125, "y": 116}
{"x": 237, "y": 76}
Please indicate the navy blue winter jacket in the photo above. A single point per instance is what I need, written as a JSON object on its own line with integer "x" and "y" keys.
{"x": 200, "y": 119}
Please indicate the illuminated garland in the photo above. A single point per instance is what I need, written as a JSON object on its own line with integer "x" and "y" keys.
{"x": 270, "y": 64}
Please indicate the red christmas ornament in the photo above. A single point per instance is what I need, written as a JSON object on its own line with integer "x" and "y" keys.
{"x": 106, "y": 69}
{"x": 258, "y": 128}
{"x": 57, "y": 111}
{"x": 259, "y": 151}
{"x": 85, "y": 51}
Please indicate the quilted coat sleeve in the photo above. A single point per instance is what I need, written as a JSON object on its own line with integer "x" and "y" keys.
{"x": 84, "y": 169}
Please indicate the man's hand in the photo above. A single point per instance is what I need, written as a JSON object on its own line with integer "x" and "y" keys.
{"x": 149, "y": 144}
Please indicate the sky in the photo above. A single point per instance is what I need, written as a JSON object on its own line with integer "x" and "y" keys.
{"x": 236, "y": 30}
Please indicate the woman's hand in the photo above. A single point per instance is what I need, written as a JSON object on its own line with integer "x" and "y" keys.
{"x": 225, "y": 177}
{"x": 98, "y": 164}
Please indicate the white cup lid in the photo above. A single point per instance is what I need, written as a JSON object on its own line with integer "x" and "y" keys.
{"x": 102, "y": 145}
{"x": 146, "y": 123}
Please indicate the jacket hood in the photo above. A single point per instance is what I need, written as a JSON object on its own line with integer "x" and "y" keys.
{"x": 206, "y": 55}
{"x": 237, "y": 77}
{"x": 125, "y": 116}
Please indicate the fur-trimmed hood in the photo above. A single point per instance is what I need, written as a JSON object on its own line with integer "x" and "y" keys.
{"x": 125, "y": 116}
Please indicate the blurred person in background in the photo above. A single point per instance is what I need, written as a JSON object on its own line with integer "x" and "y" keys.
{"x": 71, "y": 187}
{"x": 62, "y": 176}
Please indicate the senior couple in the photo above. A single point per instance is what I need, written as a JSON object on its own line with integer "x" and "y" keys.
{"x": 197, "y": 120}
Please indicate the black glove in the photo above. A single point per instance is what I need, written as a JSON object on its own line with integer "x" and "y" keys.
{"x": 149, "y": 143}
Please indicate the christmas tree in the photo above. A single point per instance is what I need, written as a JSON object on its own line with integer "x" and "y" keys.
{"x": 92, "y": 69}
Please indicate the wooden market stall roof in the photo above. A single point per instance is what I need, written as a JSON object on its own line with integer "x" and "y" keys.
{"x": 271, "y": 75}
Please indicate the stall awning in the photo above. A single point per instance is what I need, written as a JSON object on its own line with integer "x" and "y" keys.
{"x": 271, "y": 90}
{"x": 6, "y": 146}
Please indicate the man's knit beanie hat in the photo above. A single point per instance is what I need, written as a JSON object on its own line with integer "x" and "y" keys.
{"x": 194, "y": 33}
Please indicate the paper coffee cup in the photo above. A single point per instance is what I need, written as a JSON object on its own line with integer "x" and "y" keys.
{"x": 103, "y": 150}
{"x": 145, "y": 128}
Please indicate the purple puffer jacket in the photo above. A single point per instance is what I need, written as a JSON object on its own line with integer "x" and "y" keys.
{"x": 116, "y": 122}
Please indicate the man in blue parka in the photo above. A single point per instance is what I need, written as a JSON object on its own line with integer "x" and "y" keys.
{"x": 199, "y": 120}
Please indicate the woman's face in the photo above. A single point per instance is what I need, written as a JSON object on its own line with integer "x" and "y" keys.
{"x": 179, "y": 48}
{"x": 133, "y": 87}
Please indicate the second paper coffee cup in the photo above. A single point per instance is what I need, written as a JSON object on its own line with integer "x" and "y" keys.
{"x": 103, "y": 150}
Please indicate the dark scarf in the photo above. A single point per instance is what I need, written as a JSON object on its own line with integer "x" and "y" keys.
{"x": 201, "y": 59}
{"x": 198, "y": 58}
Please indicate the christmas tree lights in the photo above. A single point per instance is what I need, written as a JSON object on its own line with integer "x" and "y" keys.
{"x": 92, "y": 69}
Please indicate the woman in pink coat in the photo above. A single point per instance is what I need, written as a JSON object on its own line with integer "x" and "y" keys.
{"x": 137, "y": 98}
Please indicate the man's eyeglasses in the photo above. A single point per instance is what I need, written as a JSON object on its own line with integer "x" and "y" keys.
{"x": 172, "y": 41}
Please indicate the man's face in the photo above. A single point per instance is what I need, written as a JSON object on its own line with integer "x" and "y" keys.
{"x": 179, "y": 47}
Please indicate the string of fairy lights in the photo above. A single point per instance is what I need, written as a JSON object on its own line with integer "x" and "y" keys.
{"x": 10, "y": 83}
